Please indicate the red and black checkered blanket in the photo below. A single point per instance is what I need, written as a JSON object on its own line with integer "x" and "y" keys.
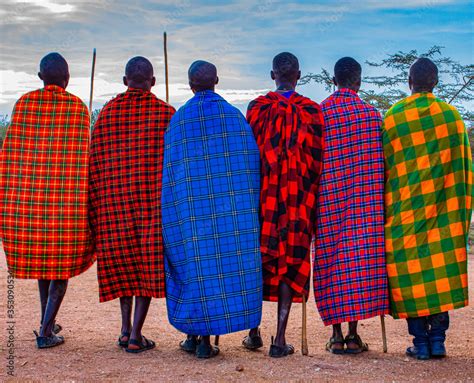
{"x": 289, "y": 134}
{"x": 125, "y": 188}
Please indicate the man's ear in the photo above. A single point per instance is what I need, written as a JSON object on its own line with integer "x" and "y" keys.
{"x": 153, "y": 81}
{"x": 217, "y": 80}
{"x": 191, "y": 87}
{"x": 358, "y": 84}
{"x": 40, "y": 76}
{"x": 66, "y": 82}
{"x": 334, "y": 81}
{"x": 410, "y": 82}
{"x": 272, "y": 75}
{"x": 299, "y": 75}
{"x": 125, "y": 82}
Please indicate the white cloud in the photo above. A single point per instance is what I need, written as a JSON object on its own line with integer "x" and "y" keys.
{"x": 14, "y": 84}
{"x": 50, "y": 5}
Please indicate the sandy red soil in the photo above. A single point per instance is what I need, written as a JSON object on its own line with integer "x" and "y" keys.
{"x": 91, "y": 329}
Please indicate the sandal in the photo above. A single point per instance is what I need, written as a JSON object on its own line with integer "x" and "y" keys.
{"x": 355, "y": 339}
{"x": 48, "y": 341}
{"x": 204, "y": 351}
{"x": 190, "y": 344}
{"x": 144, "y": 345}
{"x": 123, "y": 343}
{"x": 281, "y": 351}
{"x": 332, "y": 342}
{"x": 253, "y": 342}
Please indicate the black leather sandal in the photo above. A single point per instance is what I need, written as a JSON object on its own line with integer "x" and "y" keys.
{"x": 190, "y": 344}
{"x": 48, "y": 341}
{"x": 333, "y": 341}
{"x": 281, "y": 351}
{"x": 123, "y": 343}
{"x": 205, "y": 351}
{"x": 355, "y": 339}
{"x": 144, "y": 345}
{"x": 253, "y": 342}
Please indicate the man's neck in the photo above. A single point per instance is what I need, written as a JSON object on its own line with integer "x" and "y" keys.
{"x": 353, "y": 88}
{"x": 144, "y": 87}
{"x": 204, "y": 90}
{"x": 53, "y": 83}
{"x": 421, "y": 90}
{"x": 285, "y": 87}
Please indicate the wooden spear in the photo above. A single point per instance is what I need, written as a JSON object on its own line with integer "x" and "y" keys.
{"x": 92, "y": 81}
{"x": 165, "y": 48}
{"x": 384, "y": 334}
{"x": 460, "y": 90}
{"x": 304, "y": 336}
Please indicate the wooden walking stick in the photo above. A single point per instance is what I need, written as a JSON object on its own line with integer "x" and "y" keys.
{"x": 304, "y": 337}
{"x": 92, "y": 81}
{"x": 165, "y": 48}
{"x": 384, "y": 334}
{"x": 466, "y": 84}
{"x": 216, "y": 341}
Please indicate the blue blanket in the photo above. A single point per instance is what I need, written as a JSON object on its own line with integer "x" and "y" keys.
{"x": 210, "y": 204}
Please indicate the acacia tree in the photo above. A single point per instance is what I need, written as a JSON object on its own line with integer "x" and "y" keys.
{"x": 456, "y": 83}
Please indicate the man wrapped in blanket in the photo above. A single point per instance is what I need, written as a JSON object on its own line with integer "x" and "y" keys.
{"x": 43, "y": 192}
{"x": 210, "y": 202}
{"x": 428, "y": 210}
{"x": 289, "y": 132}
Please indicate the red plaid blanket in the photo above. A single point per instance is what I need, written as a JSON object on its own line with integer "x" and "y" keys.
{"x": 350, "y": 276}
{"x": 43, "y": 186}
{"x": 125, "y": 188}
{"x": 289, "y": 134}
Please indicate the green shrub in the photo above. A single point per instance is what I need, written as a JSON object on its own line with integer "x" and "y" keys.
{"x": 4, "y": 122}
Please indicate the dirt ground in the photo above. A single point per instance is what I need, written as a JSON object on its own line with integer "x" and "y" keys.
{"x": 91, "y": 329}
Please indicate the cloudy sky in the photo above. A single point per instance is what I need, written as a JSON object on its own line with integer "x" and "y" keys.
{"x": 240, "y": 37}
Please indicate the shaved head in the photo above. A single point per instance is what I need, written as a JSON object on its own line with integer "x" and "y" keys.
{"x": 54, "y": 70}
{"x": 139, "y": 73}
{"x": 285, "y": 70}
{"x": 347, "y": 73}
{"x": 139, "y": 69}
{"x": 423, "y": 75}
{"x": 202, "y": 76}
{"x": 286, "y": 66}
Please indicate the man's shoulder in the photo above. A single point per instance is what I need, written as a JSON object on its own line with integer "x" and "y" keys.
{"x": 306, "y": 99}
{"x": 398, "y": 107}
{"x": 329, "y": 102}
{"x": 229, "y": 108}
{"x": 266, "y": 98}
{"x": 75, "y": 99}
{"x": 31, "y": 96}
{"x": 40, "y": 96}
{"x": 368, "y": 109}
{"x": 445, "y": 106}
{"x": 356, "y": 106}
{"x": 158, "y": 103}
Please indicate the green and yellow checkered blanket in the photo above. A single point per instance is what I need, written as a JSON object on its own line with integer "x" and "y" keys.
{"x": 428, "y": 197}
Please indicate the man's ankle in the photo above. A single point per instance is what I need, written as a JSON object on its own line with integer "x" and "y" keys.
{"x": 253, "y": 332}
{"x": 337, "y": 331}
